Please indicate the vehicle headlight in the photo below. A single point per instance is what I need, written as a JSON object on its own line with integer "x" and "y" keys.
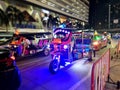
{"x": 14, "y": 46}
{"x": 48, "y": 45}
{"x": 65, "y": 46}
{"x": 9, "y": 46}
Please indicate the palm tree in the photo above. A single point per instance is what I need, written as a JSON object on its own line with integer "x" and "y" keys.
{"x": 20, "y": 17}
{"x": 6, "y": 22}
{"x": 3, "y": 19}
{"x": 10, "y": 13}
{"x": 14, "y": 15}
{"x": 28, "y": 17}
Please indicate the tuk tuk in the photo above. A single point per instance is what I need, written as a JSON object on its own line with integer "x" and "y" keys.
{"x": 26, "y": 43}
{"x": 63, "y": 48}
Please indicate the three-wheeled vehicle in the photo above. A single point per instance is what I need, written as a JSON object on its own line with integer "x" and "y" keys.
{"x": 64, "y": 48}
{"x": 83, "y": 45}
{"x": 26, "y": 43}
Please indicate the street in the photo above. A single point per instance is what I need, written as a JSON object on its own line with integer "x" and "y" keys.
{"x": 75, "y": 76}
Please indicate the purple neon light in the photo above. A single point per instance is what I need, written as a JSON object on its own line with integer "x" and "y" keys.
{"x": 65, "y": 46}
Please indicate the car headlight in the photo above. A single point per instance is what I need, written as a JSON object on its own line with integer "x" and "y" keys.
{"x": 14, "y": 46}
{"x": 95, "y": 43}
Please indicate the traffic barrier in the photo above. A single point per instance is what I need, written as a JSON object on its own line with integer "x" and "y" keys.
{"x": 117, "y": 51}
{"x": 100, "y": 72}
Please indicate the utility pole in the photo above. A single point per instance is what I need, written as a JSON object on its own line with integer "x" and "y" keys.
{"x": 83, "y": 24}
{"x": 109, "y": 16}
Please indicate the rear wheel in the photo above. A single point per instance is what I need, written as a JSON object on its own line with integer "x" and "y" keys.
{"x": 46, "y": 52}
{"x": 54, "y": 66}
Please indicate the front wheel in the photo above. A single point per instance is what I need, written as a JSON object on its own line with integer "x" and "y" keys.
{"x": 54, "y": 66}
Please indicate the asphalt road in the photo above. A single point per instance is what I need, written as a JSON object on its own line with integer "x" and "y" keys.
{"x": 75, "y": 76}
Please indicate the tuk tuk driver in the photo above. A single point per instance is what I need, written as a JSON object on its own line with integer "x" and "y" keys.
{"x": 26, "y": 43}
{"x": 68, "y": 40}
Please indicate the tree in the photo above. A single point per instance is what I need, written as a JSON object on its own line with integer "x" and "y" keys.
{"x": 4, "y": 19}
{"x": 2, "y": 15}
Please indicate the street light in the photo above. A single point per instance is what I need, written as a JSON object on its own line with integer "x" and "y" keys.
{"x": 109, "y": 16}
{"x": 83, "y": 24}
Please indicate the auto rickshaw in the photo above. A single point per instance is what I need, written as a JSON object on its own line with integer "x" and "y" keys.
{"x": 25, "y": 44}
{"x": 63, "y": 48}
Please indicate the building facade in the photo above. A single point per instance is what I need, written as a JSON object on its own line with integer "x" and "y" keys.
{"x": 105, "y": 14}
{"x": 75, "y": 11}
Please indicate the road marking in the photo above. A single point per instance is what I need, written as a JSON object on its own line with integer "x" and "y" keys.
{"x": 31, "y": 62}
{"x": 75, "y": 86}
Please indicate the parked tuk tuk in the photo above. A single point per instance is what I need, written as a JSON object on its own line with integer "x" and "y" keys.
{"x": 27, "y": 43}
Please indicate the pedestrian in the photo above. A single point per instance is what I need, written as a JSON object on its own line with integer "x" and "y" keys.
{"x": 94, "y": 53}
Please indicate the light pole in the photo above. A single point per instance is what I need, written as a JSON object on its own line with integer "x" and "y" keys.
{"x": 83, "y": 24}
{"x": 109, "y": 16}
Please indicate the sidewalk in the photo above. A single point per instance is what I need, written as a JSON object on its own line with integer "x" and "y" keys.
{"x": 114, "y": 72}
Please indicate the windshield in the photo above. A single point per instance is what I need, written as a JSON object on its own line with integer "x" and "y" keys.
{"x": 59, "y": 36}
{"x": 62, "y": 36}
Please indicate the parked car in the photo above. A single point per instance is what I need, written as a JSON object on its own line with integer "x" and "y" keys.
{"x": 10, "y": 78}
{"x": 116, "y": 36}
{"x": 98, "y": 42}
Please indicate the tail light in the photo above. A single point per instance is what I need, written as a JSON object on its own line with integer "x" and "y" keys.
{"x": 10, "y": 61}
{"x": 95, "y": 43}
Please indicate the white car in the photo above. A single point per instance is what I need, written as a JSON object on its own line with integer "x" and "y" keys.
{"x": 116, "y": 36}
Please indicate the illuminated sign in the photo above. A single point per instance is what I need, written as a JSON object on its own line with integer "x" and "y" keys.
{"x": 62, "y": 30}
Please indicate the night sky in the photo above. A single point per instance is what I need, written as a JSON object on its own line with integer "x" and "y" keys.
{"x": 99, "y": 12}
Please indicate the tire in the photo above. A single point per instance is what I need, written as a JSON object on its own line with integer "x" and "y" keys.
{"x": 18, "y": 78}
{"x": 46, "y": 52}
{"x": 54, "y": 66}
